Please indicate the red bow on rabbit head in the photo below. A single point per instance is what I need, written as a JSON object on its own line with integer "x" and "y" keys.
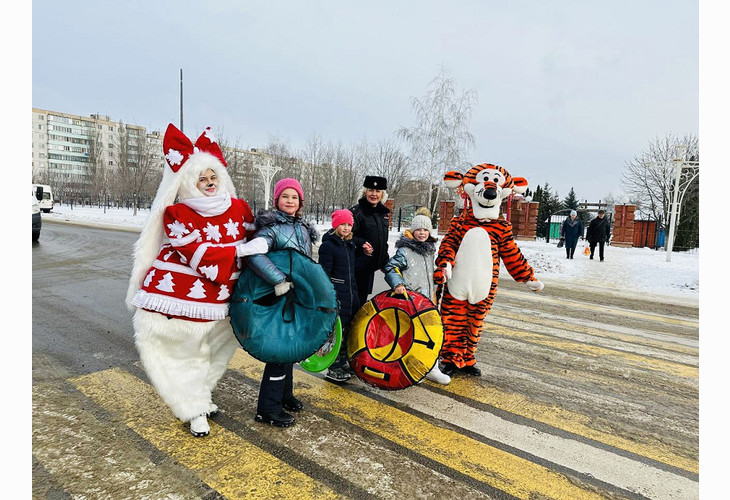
{"x": 485, "y": 186}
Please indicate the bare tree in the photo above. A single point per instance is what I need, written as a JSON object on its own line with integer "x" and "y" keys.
{"x": 385, "y": 159}
{"x": 138, "y": 172}
{"x": 650, "y": 176}
{"x": 441, "y": 139}
{"x": 99, "y": 172}
{"x": 649, "y": 179}
{"x": 314, "y": 153}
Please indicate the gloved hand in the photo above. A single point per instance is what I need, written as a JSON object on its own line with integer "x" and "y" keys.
{"x": 442, "y": 274}
{"x": 256, "y": 245}
{"x": 283, "y": 287}
{"x": 535, "y": 285}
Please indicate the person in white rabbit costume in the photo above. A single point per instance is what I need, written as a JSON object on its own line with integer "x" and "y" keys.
{"x": 186, "y": 263}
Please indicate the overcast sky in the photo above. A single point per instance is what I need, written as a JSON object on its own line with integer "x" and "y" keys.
{"x": 568, "y": 91}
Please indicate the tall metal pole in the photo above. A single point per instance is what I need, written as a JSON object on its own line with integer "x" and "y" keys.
{"x": 181, "y": 101}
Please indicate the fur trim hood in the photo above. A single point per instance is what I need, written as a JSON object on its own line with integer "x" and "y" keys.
{"x": 420, "y": 247}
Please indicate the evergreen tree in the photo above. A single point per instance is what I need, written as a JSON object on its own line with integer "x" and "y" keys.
{"x": 549, "y": 204}
{"x": 571, "y": 201}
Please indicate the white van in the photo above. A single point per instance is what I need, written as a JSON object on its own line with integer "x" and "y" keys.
{"x": 44, "y": 195}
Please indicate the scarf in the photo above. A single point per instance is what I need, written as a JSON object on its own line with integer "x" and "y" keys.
{"x": 209, "y": 206}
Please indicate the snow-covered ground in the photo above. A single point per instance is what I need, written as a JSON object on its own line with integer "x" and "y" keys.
{"x": 628, "y": 270}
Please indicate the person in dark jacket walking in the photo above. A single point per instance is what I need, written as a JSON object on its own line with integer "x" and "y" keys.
{"x": 570, "y": 231}
{"x": 337, "y": 257}
{"x": 599, "y": 231}
{"x": 371, "y": 225}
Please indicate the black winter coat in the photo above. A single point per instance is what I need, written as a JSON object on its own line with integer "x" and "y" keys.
{"x": 371, "y": 224}
{"x": 598, "y": 230}
{"x": 337, "y": 258}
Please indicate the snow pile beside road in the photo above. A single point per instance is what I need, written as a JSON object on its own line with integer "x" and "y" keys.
{"x": 632, "y": 270}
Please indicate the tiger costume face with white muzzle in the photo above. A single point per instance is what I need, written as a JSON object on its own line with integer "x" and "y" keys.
{"x": 468, "y": 260}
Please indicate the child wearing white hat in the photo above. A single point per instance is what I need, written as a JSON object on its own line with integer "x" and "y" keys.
{"x": 412, "y": 267}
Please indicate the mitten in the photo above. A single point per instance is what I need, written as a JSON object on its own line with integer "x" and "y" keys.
{"x": 256, "y": 245}
{"x": 283, "y": 287}
{"x": 442, "y": 274}
{"x": 535, "y": 285}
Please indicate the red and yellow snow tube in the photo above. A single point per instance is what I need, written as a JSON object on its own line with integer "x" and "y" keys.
{"x": 395, "y": 340}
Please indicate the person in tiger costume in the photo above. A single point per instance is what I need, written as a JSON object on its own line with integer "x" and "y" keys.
{"x": 463, "y": 268}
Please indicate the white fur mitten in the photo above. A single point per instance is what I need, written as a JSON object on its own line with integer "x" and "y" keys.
{"x": 447, "y": 271}
{"x": 256, "y": 245}
{"x": 535, "y": 285}
{"x": 283, "y": 287}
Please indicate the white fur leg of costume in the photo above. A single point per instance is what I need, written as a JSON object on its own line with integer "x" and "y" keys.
{"x": 183, "y": 359}
{"x": 223, "y": 345}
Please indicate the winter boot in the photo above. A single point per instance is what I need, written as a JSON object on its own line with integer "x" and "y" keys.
{"x": 338, "y": 375}
{"x": 448, "y": 369}
{"x": 438, "y": 377}
{"x": 471, "y": 370}
{"x": 280, "y": 419}
{"x": 199, "y": 426}
{"x": 292, "y": 404}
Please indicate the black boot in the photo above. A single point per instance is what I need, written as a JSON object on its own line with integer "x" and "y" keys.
{"x": 448, "y": 369}
{"x": 281, "y": 419}
{"x": 292, "y": 404}
{"x": 471, "y": 370}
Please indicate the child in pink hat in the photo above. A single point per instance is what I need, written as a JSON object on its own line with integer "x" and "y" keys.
{"x": 337, "y": 258}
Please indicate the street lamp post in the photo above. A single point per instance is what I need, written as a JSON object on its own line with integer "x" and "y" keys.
{"x": 679, "y": 164}
{"x": 267, "y": 170}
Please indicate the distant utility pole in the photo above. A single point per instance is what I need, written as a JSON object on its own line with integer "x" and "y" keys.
{"x": 267, "y": 171}
{"x": 181, "y": 102}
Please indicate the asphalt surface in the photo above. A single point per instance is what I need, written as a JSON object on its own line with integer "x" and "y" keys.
{"x": 581, "y": 396}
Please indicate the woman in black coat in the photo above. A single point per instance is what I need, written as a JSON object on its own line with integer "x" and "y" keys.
{"x": 372, "y": 223}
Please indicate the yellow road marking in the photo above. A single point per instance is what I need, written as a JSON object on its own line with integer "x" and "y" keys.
{"x": 514, "y": 475}
{"x": 578, "y": 328}
{"x": 631, "y": 359}
{"x": 602, "y": 309}
{"x": 227, "y": 463}
{"x": 66, "y": 439}
{"x": 569, "y": 421}
{"x": 517, "y": 404}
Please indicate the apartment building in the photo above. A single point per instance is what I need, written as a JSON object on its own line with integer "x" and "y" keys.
{"x": 65, "y": 145}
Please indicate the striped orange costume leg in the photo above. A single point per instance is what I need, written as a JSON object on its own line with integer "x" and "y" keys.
{"x": 462, "y": 329}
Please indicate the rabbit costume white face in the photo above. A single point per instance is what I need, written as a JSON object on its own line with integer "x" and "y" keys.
{"x": 486, "y": 185}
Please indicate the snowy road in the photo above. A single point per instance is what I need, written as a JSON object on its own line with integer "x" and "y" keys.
{"x": 583, "y": 395}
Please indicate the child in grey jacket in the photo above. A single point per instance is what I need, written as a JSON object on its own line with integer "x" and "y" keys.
{"x": 412, "y": 267}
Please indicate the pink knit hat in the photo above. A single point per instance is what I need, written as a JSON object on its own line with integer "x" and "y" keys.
{"x": 341, "y": 217}
{"x": 288, "y": 183}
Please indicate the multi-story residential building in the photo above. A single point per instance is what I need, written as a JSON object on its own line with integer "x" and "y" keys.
{"x": 67, "y": 147}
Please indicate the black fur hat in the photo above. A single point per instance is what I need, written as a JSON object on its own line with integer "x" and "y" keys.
{"x": 373, "y": 182}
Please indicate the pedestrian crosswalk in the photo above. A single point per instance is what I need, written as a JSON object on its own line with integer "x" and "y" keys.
{"x": 590, "y": 410}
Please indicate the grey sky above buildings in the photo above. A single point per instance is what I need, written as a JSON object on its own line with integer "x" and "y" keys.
{"x": 568, "y": 91}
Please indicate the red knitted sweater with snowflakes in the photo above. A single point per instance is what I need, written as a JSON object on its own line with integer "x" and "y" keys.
{"x": 195, "y": 272}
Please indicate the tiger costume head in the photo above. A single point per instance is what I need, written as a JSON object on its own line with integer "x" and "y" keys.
{"x": 485, "y": 186}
